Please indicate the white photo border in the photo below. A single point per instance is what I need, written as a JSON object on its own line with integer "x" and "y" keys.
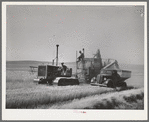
{"x": 47, "y": 114}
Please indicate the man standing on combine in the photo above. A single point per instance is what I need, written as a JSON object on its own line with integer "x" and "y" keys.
{"x": 81, "y": 57}
{"x": 64, "y": 68}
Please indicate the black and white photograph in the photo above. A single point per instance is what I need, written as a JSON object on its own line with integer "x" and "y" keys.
{"x": 74, "y": 60}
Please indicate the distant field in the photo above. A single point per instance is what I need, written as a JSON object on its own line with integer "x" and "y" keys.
{"x": 21, "y": 92}
{"x": 137, "y": 78}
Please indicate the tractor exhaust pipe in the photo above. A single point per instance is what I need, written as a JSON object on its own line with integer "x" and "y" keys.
{"x": 57, "y": 55}
{"x": 83, "y": 51}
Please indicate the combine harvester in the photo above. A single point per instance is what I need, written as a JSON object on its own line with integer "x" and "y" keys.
{"x": 50, "y": 74}
{"x": 90, "y": 70}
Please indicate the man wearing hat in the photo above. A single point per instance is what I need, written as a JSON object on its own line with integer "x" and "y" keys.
{"x": 81, "y": 57}
{"x": 64, "y": 68}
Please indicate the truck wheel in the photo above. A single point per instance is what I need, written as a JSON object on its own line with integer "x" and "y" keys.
{"x": 110, "y": 83}
{"x": 77, "y": 82}
{"x": 122, "y": 84}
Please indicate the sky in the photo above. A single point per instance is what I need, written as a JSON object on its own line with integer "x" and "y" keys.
{"x": 32, "y": 32}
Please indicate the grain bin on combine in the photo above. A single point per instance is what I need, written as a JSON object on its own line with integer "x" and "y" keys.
{"x": 102, "y": 72}
{"x": 50, "y": 74}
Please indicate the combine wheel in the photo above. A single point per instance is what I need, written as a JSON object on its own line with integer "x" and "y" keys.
{"x": 110, "y": 83}
{"x": 124, "y": 84}
{"x": 65, "y": 82}
{"x": 43, "y": 81}
{"x": 50, "y": 82}
{"x": 40, "y": 81}
{"x": 77, "y": 82}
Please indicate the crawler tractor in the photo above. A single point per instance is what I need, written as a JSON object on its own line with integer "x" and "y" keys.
{"x": 50, "y": 74}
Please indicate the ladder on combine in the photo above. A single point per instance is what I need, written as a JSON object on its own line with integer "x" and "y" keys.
{"x": 80, "y": 69}
{"x": 88, "y": 67}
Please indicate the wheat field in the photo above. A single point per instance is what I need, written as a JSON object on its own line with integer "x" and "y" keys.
{"x": 23, "y": 93}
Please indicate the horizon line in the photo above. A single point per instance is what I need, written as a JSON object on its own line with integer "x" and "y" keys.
{"x": 59, "y": 62}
